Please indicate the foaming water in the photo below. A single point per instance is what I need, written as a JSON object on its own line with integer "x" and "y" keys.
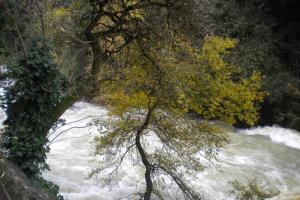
{"x": 269, "y": 154}
{"x": 71, "y": 159}
{"x": 250, "y": 156}
{"x": 277, "y": 134}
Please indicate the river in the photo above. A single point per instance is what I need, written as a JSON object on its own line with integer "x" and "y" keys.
{"x": 269, "y": 154}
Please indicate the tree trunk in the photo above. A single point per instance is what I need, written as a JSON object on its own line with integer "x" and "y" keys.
{"x": 98, "y": 54}
{"x": 147, "y": 164}
{"x": 99, "y": 58}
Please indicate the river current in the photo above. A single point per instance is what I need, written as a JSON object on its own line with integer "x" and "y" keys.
{"x": 271, "y": 155}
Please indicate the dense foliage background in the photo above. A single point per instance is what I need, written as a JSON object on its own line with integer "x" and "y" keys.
{"x": 269, "y": 40}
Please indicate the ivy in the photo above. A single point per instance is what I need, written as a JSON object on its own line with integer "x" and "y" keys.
{"x": 36, "y": 88}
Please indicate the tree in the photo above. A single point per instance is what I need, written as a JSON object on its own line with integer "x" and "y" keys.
{"x": 102, "y": 28}
{"x": 152, "y": 97}
{"x": 107, "y": 26}
{"x": 95, "y": 33}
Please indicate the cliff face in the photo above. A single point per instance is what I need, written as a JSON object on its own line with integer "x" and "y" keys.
{"x": 15, "y": 186}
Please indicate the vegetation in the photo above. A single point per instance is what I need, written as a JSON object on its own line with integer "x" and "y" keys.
{"x": 36, "y": 88}
{"x": 251, "y": 191}
{"x": 156, "y": 63}
{"x": 267, "y": 31}
{"x": 152, "y": 99}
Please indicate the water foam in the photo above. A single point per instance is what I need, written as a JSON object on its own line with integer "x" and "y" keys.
{"x": 247, "y": 157}
{"x": 277, "y": 134}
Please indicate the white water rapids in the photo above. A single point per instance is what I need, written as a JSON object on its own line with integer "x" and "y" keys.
{"x": 269, "y": 154}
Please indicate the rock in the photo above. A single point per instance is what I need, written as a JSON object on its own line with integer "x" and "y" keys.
{"x": 14, "y": 185}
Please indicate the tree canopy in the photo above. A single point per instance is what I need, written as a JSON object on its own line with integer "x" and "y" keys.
{"x": 153, "y": 95}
